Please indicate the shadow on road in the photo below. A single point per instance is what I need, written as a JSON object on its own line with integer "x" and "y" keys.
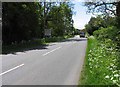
{"x": 14, "y": 49}
{"x": 74, "y": 39}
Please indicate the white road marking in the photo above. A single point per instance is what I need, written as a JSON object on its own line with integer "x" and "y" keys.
{"x": 11, "y": 69}
{"x": 51, "y": 51}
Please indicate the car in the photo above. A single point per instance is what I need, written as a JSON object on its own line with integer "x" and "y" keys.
{"x": 82, "y": 34}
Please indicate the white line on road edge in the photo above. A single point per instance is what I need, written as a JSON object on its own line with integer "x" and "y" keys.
{"x": 11, "y": 69}
{"x": 51, "y": 51}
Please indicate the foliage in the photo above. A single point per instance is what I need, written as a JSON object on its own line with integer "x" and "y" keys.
{"x": 103, "y": 7}
{"x": 98, "y": 22}
{"x": 103, "y": 64}
{"x": 62, "y": 22}
{"x": 107, "y": 33}
{"x": 101, "y": 67}
{"x": 27, "y": 20}
{"x": 94, "y": 24}
{"x": 91, "y": 43}
{"x": 103, "y": 60}
{"x": 19, "y": 21}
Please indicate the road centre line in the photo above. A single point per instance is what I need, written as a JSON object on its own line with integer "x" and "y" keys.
{"x": 51, "y": 51}
{"x": 11, "y": 69}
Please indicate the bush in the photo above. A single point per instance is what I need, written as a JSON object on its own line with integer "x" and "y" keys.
{"x": 106, "y": 33}
{"x": 112, "y": 33}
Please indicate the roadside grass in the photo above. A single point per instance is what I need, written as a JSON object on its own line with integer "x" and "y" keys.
{"x": 100, "y": 67}
{"x": 31, "y": 44}
{"x": 84, "y": 74}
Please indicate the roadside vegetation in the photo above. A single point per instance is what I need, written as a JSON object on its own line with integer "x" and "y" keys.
{"x": 31, "y": 44}
{"x": 91, "y": 43}
{"x": 102, "y": 63}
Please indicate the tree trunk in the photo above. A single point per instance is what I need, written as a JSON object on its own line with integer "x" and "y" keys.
{"x": 118, "y": 14}
{"x": 118, "y": 9}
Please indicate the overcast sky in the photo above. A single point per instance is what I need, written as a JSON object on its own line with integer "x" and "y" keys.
{"x": 81, "y": 18}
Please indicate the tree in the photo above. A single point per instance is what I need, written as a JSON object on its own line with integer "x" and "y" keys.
{"x": 27, "y": 21}
{"x": 20, "y": 21}
{"x": 105, "y": 7}
{"x": 60, "y": 19}
{"x": 94, "y": 24}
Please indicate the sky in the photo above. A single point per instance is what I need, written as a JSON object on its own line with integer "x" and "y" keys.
{"x": 81, "y": 17}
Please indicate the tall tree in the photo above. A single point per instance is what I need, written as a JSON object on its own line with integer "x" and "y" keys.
{"x": 20, "y": 21}
{"x": 26, "y": 21}
{"x": 106, "y": 7}
{"x": 61, "y": 19}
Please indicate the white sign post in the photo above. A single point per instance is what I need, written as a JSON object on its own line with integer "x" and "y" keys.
{"x": 47, "y": 32}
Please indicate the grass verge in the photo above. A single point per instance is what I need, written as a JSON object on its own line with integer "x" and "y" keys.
{"x": 91, "y": 43}
{"x": 100, "y": 67}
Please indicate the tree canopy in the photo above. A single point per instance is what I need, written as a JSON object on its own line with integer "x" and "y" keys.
{"x": 27, "y": 20}
{"x": 105, "y": 7}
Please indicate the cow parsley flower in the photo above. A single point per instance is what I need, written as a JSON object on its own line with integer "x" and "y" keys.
{"x": 116, "y": 75}
{"x": 107, "y": 77}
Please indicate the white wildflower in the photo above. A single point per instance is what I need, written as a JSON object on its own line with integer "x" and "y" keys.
{"x": 111, "y": 64}
{"x": 90, "y": 51}
{"x": 111, "y": 68}
{"x": 115, "y": 71}
{"x": 114, "y": 66}
{"x": 111, "y": 78}
{"x": 89, "y": 64}
{"x": 107, "y": 77}
{"x": 116, "y": 75}
{"x": 91, "y": 67}
{"x": 114, "y": 60}
{"x": 114, "y": 81}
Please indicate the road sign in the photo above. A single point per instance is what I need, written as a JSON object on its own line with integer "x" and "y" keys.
{"x": 47, "y": 32}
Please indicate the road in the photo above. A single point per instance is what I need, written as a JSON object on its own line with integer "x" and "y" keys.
{"x": 58, "y": 63}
